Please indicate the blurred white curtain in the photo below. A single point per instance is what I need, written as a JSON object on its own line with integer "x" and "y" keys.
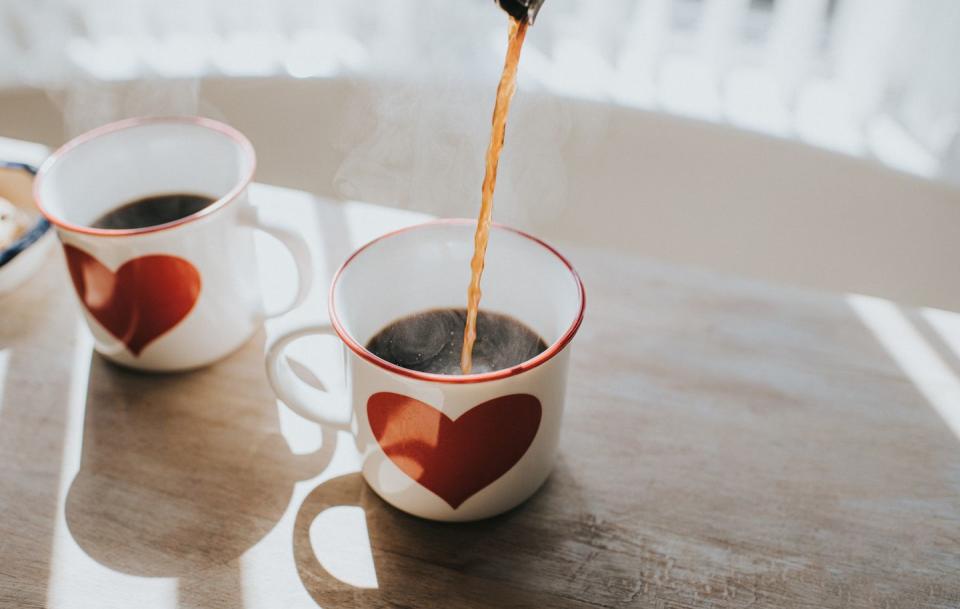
{"x": 876, "y": 78}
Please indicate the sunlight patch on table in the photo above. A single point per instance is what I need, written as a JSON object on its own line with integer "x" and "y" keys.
{"x": 947, "y": 326}
{"x": 298, "y": 213}
{"x": 918, "y": 360}
{"x": 341, "y": 543}
{"x": 77, "y": 580}
{"x": 4, "y": 364}
{"x": 303, "y": 436}
{"x": 268, "y": 570}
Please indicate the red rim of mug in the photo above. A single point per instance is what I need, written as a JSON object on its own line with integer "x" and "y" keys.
{"x": 551, "y": 351}
{"x": 133, "y": 123}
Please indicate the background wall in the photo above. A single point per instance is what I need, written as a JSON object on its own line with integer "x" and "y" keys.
{"x": 873, "y": 78}
{"x": 574, "y": 171}
{"x": 804, "y": 141}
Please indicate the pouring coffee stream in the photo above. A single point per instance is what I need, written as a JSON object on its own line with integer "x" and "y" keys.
{"x": 522, "y": 13}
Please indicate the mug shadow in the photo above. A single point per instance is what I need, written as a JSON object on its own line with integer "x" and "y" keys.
{"x": 181, "y": 472}
{"x": 420, "y": 563}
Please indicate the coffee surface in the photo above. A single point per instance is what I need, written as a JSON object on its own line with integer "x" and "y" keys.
{"x": 432, "y": 342}
{"x": 152, "y": 211}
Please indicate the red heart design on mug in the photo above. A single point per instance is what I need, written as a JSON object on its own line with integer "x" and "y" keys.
{"x": 145, "y": 298}
{"x": 454, "y": 459}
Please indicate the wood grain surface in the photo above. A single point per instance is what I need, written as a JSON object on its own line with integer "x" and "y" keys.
{"x": 727, "y": 443}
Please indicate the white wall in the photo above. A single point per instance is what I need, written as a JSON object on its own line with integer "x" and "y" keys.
{"x": 676, "y": 189}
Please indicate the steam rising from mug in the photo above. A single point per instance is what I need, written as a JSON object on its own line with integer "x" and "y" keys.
{"x": 87, "y": 103}
{"x": 420, "y": 144}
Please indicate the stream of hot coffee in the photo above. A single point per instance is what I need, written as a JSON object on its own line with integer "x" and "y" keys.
{"x": 505, "y": 90}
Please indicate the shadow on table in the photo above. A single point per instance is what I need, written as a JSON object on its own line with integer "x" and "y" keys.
{"x": 419, "y": 563}
{"x": 181, "y": 472}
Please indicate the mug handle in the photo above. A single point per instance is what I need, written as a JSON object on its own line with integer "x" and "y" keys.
{"x": 297, "y": 247}
{"x": 330, "y": 408}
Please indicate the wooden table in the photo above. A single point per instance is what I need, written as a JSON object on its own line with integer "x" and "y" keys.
{"x": 727, "y": 443}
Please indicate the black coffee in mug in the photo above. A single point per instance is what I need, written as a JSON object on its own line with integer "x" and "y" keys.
{"x": 432, "y": 342}
{"x": 152, "y": 211}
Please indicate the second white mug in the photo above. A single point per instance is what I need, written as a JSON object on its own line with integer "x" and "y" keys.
{"x": 172, "y": 296}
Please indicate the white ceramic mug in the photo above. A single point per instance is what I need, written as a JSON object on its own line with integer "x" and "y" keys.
{"x": 441, "y": 447}
{"x": 173, "y": 296}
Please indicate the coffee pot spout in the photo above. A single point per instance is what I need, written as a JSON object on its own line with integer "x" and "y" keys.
{"x": 521, "y": 10}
